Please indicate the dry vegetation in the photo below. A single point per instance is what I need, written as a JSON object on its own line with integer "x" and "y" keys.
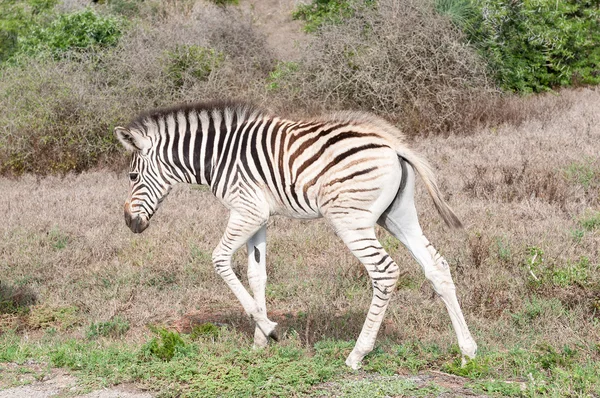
{"x": 523, "y": 174}
{"x": 523, "y": 193}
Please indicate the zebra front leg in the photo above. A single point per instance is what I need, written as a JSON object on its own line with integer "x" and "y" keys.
{"x": 257, "y": 277}
{"x": 239, "y": 230}
{"x": 384, "y": 275}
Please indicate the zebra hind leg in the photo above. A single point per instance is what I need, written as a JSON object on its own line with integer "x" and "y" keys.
{"x": 400, "y": 219}
{"x": 384, "y": 275}
{"x": 240, "y": 229}
{"x": 257, "y": 278}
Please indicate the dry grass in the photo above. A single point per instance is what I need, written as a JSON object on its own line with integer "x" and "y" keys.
{"x": 64, "y": 243}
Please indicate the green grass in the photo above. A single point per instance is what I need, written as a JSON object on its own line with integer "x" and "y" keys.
{"x": 115, "y": 327}
{"x": 226, "y": 365}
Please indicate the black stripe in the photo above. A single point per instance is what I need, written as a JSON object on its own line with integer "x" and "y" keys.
{"x": 351, "y": 176}
{"x": 237, "y": 129}
{"x": 254, "y": 148}
{"x": 210, "y": 145}
{"x": 341, "y": 157}
{"x": 186, "y": 147}
{"x": 197, "y": 148}
{"x": 327, "y": 144}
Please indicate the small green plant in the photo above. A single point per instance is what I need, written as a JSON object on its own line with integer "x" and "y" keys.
{"x": 577, "y": 234}
{"x": 115, "y": 328}
{"x": 164, "y": 345}
{"x": 209, "y": 330}
{"x": 582, "y": 173}
{"x": 279, "y": 75}
{"x": 475, "y": 368}
{"x": 503, "y": 249}
{"x": 191, "y": 61}
{"x": 572, "y": 273}
{"x": 548, "y": 357}
{"x": 324, "y": 12}
{"x": 591, "y": 221}
{"x": 58, "y": 239}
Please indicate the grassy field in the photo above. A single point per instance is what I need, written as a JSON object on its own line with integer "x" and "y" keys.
{"x": 79, "y": 291}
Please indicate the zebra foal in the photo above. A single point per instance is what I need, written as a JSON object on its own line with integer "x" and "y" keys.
{"x": 351, "y": 168}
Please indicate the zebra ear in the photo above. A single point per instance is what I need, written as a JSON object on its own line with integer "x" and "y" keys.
{"x": 132, "y": 140}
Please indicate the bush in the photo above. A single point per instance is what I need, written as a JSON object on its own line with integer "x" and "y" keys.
{"x": 57, "y": 114}
{"x": 164, "y": 346}
{"x": 18, "y": 19}
{"x": 191, "y": 62}
{"x": 401, "y": 60}
{"x": 74, "y": 31}
{"x": 538, "y": 45}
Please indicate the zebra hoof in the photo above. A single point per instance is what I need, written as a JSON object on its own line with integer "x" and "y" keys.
{"x": 274, "y": 335}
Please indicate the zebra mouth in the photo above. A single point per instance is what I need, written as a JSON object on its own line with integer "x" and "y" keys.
{"x": 137, "y": 224}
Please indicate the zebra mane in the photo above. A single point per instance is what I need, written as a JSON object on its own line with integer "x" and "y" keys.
{"x": 242, "y": 109}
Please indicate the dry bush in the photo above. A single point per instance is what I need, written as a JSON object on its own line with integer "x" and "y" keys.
{"x": 58, "y": 116}
{"x": 68, "y": 252}
{"x": 401, "y": 60}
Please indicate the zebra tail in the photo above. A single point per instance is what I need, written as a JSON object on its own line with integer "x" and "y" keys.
{"x": 425, "y": 171}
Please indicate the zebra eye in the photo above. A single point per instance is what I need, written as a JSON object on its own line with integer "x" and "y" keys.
{"x": 133, "y": 177}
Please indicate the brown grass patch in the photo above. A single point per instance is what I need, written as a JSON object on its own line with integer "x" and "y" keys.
{"x": 64, "y": 240}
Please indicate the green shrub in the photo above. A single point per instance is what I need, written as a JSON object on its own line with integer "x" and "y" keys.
{"x": 537, "y": 45}
{"x": 18, "y": 19}
{"x": 164, "y": 346}
{"x": 74, "y": 31}
{"x": 54, "y": 120}
{"x": 279, "y": 75}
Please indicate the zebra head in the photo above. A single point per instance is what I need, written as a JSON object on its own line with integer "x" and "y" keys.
{"x": 147, "y": 183}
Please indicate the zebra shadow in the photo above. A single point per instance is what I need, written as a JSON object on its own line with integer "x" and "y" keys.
{"x": 309, "y": 327}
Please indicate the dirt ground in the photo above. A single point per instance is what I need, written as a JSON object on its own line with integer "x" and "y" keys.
{"x": 59, "y": 383}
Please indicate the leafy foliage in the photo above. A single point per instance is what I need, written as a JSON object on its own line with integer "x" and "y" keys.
{"x": 537, "y": 45}
{"x": 74, "y": 31}
{"x": 18, "y": 19}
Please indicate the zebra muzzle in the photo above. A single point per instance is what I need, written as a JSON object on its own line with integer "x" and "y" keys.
{"x": 136, "y": 224}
